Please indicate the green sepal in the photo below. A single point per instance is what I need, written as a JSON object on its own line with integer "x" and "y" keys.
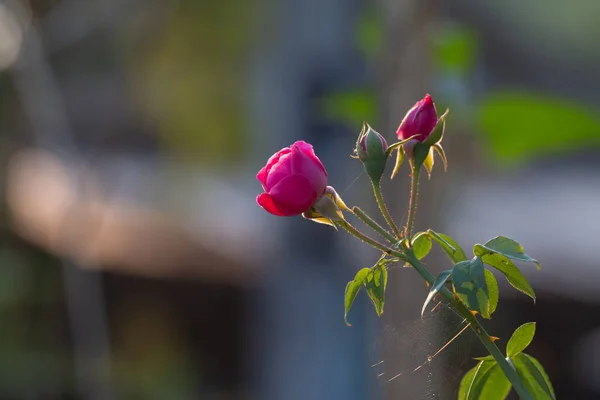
{"x": 327, "y": 209}
{"x": 428, "y": 163}
{"x": 399, "y": 144}
{"x": 399, "y": 160}
{"x": 438, "y": 132}
{"x": 440, "y": 150}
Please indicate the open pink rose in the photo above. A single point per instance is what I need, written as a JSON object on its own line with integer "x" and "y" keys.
{"x": 420, "y": 120}
{"x": 293, "y": 179}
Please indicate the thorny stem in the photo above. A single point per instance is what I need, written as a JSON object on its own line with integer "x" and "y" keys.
{"x": 384, "y": 210}
{"x": 361, "y": 236}
{"x": 364, "y": 217}
{"x": 476, "y": 326}
{"x": 412, "y": 205}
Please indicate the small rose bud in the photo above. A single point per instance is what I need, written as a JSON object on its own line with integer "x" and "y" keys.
{"x": 293, "y": 180}
{"x": 371, "y": 149}
{"x": 420, "y": 120}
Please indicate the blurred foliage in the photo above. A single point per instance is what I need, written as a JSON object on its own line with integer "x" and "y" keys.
{"x": 197, "y": 64}
{"x": 455, "y": 49}
{"x": 520, "y": 126}
{"x": 369, "y": 37}
{"x": 355, "y": 106}
{"x": 351, "y": 107}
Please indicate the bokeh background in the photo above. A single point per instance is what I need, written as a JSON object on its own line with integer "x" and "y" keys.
{"x": 135, "y": 263}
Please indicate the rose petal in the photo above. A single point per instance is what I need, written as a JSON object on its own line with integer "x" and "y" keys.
{"x": 308, "y": 149}
{"x": 279, "y": 171}
{"x": 293, "y": 195}
{"x": 264, "y": 172}
{"x": 266, "y": 201}
{"x": 313, "y": 171}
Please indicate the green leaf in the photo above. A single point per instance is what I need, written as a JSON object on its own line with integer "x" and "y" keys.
{"x": 543, "y": 372}
{"x": 352, "y": 289}
{"x": 421, "y": 245}
{"x": 486, "y": 358}
{"x": 450, "y": 247}
{"x": 513, "y": 275}
{"x": 492, "y": 285}
{"x": 465, "y": 383}
{"x": 533, "y": 378}
{"x": 439, "y": 282}
{"x": 468, "y": 279}
{"x": 375, "y": 285}
{"x": 493, "y": 386}
{"x": 485, "y": 381}
{"x": 509, "y": 248}
{"x": 520, "y": 339}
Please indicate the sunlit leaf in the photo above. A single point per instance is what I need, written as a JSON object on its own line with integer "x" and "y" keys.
{"x": 449, "y": 245}
{"x": 375, "y": 284}
{"x": 533, "y": 378}
{"x": 493, "y": 292}
{"x": 542, "y": 371}
{"x": 513, "y": 275}
{"x": 421, "y": 245}
{"x": 509, "y": 248}
{"x": 466, "y": 382}
{"x": 484, "y": 382}
{"x": 352, "y": 289}
{"x": 520, "y": 339}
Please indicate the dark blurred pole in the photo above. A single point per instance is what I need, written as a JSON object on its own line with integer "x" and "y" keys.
{"x": 41, "y": 100}
{"x": 305, "y": 351}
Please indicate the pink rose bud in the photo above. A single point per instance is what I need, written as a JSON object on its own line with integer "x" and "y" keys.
{"x": 420, "y": 120}
{"x": 293, "y": 180}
